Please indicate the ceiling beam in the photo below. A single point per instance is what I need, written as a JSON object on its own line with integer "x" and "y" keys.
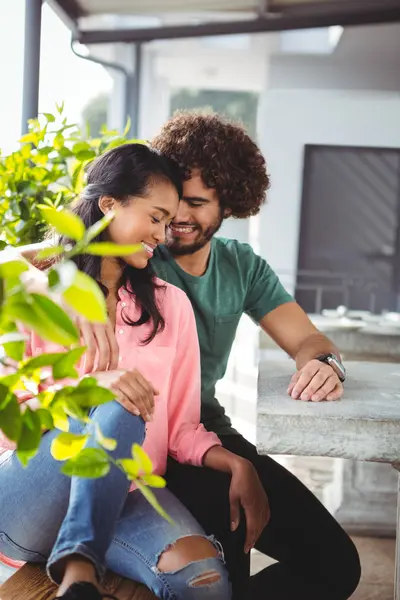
{"x": 344, "y": 14}
{"x": 69, "y": 11}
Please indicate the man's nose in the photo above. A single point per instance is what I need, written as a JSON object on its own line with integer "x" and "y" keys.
{"x": 183, "y": 214}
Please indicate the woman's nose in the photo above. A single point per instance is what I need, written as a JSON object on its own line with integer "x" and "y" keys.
{"x": 159, "y": 234}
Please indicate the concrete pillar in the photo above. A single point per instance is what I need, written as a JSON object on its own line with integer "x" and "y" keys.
{"x": 363, "y": 497}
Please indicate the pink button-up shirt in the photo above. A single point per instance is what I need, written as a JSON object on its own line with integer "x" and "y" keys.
{"x": 172, "y": 363}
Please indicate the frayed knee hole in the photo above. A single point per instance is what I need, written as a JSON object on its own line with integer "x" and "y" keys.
{"x": 207, "y": 578}
{"x": 185, "y": 551}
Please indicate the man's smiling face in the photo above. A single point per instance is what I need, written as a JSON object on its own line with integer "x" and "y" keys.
{"x": 198, "y": 218}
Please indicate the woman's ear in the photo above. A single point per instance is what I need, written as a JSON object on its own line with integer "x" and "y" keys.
{"x": 106, "y": 203}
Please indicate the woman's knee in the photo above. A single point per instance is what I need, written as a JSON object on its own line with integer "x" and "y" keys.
{"x": 207, "y": 570}
{"x": 118, "y": 423}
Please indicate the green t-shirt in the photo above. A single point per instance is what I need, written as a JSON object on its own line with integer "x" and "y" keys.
{"x": 237, "y": 281}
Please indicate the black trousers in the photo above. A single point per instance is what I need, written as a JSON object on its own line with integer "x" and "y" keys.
{"x": 316, "y": 558}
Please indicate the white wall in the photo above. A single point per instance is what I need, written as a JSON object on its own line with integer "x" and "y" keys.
{"x": 289, "y": 119}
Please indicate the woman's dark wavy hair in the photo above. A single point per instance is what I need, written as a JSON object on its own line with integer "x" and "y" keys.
{"x": 121, "y": 173}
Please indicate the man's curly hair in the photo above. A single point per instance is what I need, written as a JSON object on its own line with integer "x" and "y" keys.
{"x": 227, "y": 157}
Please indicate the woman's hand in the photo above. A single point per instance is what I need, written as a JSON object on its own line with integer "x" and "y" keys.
{"x": 102, "y": 350}
{"x": 133, "y": 391}
{"x": 247, "y": 491}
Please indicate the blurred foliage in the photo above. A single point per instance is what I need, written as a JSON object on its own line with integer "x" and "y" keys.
{"x": 95, "y": 114}
{"x": 239, "y": 106}
{"x": 49, "y": 169}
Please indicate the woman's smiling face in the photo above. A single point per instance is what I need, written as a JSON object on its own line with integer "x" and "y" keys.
{"x": 142, "y": 220}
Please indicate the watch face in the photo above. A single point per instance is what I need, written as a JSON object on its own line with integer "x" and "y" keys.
{"x": 337, "y": 366}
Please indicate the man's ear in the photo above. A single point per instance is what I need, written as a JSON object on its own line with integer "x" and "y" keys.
{"x": 106, "y": 203}
{"x": 227, "y": 212}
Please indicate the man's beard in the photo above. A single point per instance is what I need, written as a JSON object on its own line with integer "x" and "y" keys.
{"x": 177, "y": 248}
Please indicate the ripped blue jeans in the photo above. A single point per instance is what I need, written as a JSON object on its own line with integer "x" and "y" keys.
{"x": 46, "y": 516}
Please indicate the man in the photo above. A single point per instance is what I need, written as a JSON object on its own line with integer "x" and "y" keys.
{"x": 226, "y": 177}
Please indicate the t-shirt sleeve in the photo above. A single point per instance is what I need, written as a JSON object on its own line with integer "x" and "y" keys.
{"x": 265, "y": 291}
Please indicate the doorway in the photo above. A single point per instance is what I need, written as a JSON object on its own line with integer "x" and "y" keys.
{"x": 349, "y": 249}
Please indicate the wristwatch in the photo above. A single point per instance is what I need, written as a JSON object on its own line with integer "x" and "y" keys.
{"x": 333, "y": 361}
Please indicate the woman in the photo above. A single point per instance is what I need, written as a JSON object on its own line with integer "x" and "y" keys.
{"x": 79, "y": 526}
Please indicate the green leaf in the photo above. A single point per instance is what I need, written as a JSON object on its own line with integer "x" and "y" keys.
{"x": 62, "y": 276}
{"x": 83, "y": 151}
{"x": 10, "y": 414}
{"x": 30, "y": 138}
{"x": 80, "y": 147}
{"x": 78, "y": 176}
{"x": 24, "y": 456}
{"x": 60, "y": 419}
{"x": 130, "y": 467}
{"x": 14, "y": 344}
{"x": 62, "y": 363}
{"x": 90, "y": 463}
{"x": 91, "y": 396}
{"x": 38, "y": 362}
{"x": 95, "y": 230}
{"x": 59, "y": 141}
{"x": 86, "y": 298}
{"x": 67, "y": 445}
{"x": 127, "y": 127}
{"x": 109, "y": 249}
{"x": 154, "y": 481}
{"x": 46, "y": 420}
{"x": 12, "y": 268}
{"x": 65, "y": 152}
{"x": 50, "y": 118}
{"x": 85, "y": 155}
{"x": 30, "y": 436}
{"x": 143, "y": 460}
{"x": 50, "y": 252}
{"x": 43, "y": 318}
{"x": 64, "y": 367}
{"x": 10, "y": 380}
{"x": 25, "y": 209}
{"x": 151, "y": 498}
{"x": 107, "y": 443}
{"x": 74, "y": 410}
{"x": 57, "y": 319}
{"x": 64, "y": 221}
{"x": 15, "y": 350}
{"x": 115, "y": 143}
{"x": 87, "y": 382}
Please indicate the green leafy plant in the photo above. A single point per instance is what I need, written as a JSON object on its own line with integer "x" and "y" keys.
{"x": 35, "y": 183}
{"x": 47, "y": 169}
